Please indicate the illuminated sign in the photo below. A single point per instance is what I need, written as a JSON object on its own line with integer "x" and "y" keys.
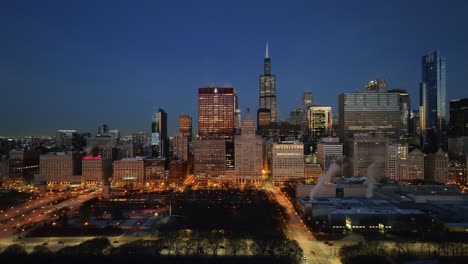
{"x": 92, "y": 157}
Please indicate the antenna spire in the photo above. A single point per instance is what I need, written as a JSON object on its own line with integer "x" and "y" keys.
{"x": 267, "y": 55}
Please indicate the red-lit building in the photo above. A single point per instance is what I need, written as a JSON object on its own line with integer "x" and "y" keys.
{"x": 216, "y": 108}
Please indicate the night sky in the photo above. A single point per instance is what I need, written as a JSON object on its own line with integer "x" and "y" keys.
{"x": 79, "y": 64}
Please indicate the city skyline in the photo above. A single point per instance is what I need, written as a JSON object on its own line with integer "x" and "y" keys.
{"x": 112, "y": 69}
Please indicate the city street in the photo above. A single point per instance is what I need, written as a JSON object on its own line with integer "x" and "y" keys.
{"x": 314, "y": 251}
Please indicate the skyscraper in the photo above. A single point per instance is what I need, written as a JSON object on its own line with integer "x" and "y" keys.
{"x": 159, "y": 141}
{"x": 433, "y": 109}
{"x": 248, "y": 154}
{"x": 405, "y": 108}
{"x": 307, "y": 100}
{"x": 267, "y": 92}
{"x": 377, "y": 85}
{"x": 459, "y": 118}
{"x": 185, "y": 125}
{"x": 216, "y": 108}
{"x": 319, "y": 121}
{"x": 369, "y": 112}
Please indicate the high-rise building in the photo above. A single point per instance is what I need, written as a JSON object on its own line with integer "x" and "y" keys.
{"x": 369, "y": 112}
{"x": 185, "y": 125}
{"x": 307, "y": 100}
{"x": 159, "y": 140}
{"x": 129, "y": 173}
{"x": 377, "y": 85}
{"x": 64, "y": 139}
{"x": 61, "y": 167}
{"x": 436, "y": 166}
{"x": 287, "y": 162}
{"x": 395, "y": 153}
{"x": 216, "y": 107}
{"x": 267, "y": 92}
{"x": 459, "y": 118}
{"x": 319, "y": 121}
{"x": 410, "y": 167}
{"x": 248, "y": 154}
{"x": 405, "y": 109}
{"x": 363, "y": 150}
{"x": 96, "y": 170}
{"x": 433, "y": 105}
{"x": 209, "y": 160}
{"x": 155, "y": 171}
{"x": 329, "y": 150}
{"x": 180, "y": 146}
{"x": 23, "y": 164}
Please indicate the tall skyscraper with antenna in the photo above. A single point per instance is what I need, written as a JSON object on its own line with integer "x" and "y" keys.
{"x": 267, "y": 106}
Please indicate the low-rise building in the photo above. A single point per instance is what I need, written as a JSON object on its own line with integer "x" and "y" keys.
{"x": 96, "y": 170}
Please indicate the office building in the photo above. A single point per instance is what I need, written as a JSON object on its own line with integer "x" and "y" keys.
{"x": 329, "y": 151}
{"x": 436, "y": 166}
{"x": 405, "y": 109}
{"x": 216, "y": 107}
{"x": 459, "y": 118}
{"x": 319, "y": 121}
{"x": 128, "y": 173}
{"x": 23, "y": 164}
{"x": 395, "y": 153}
{"x": 287, "y": 162}
{"x": 458, "y": 146}
{"x": 267, "y": 92}
{"x": 362, "y": 151}
{"x": 159, "y": 139}
{"x": 412, "y": 167}
{"x": 433, "y": 105}
{"x": 96, "y": 170}
{"x": 209, "y": 160}
{"x": 61, "y": 167}
{"x": 307, "y": 100}
{"x": 248, "y": 154}
{"x": 180, "y": 146}
{"x": 64, "y": 139}
{"x": 177, "y": 172}
{"x": 377, "y": 85}
{"x": 155, "y": 172}
{"x": 185, "y": 125}
{"x": 377, "y": 113}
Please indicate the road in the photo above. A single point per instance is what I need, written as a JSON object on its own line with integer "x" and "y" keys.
{"x": 297, "y": 230}
{"x": 35, "y": 212}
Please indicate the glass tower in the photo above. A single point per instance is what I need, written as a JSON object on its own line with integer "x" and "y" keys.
{"x": 433, "y": 101}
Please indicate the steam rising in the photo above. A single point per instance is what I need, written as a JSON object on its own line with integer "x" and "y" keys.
{"x": 332, "y": 171}
{"x": 371, "y": 179}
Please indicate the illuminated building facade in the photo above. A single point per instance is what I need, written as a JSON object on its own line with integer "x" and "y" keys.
{"x": 61, "y": 167}
{"x": 23, "y": 164}
{"x": 319, "y": 121}
{"x": 329, "y": 150}
{"x": 410, "y": 167}
{"x": 377, "y": 85}
{"x": 129, "y": 173}
{"x": 185, "y": 125}
{"x": 267, "y": 93}
{"x": 248, "y": 154}
{"x": 216, "y": 107}
{"x": 433, "y": 105}
{"x": 180, "y": 146}
{"x": 209, "y": 160}
{"x": 159, "y": 140}
{"x": 369, "y": 112}
{"x": 96, "y": 170}
{"x": 287, "y": 162}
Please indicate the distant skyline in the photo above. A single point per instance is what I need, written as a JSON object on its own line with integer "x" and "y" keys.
{"x": 77, "y": 65}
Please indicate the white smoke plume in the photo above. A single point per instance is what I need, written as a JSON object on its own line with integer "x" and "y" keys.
{"x": 332, "y": 171}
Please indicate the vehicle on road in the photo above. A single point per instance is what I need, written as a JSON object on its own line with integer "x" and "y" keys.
{"x": 45, "y": 243}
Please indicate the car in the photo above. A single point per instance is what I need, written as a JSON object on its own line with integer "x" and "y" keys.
{"x": 305, "y": 258}
{"x": 60, "y": 242}
{"x": 115, "y": 241}
{"x": 45, "y": 243}
{"x": 312, "y": 252}
{"x": 326, "y": 242}
{"x": 23, "y": 242}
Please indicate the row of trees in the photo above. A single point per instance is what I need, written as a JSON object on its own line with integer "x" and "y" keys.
{"x": 183, "y": 243}
{"x": 402, "y": 250}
